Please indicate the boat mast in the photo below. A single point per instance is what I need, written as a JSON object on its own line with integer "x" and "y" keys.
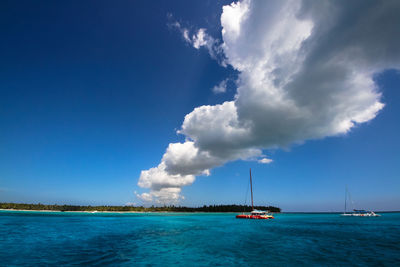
{"x": 345, "y": 200}
{"x": 251, "y": 188}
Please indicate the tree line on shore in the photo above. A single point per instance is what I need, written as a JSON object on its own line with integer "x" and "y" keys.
{"x": 172, "y": 208}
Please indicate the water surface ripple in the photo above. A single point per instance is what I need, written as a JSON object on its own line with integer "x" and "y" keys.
{"x": 170, "y": 239}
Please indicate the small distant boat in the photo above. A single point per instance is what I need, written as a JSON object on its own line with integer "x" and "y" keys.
{"x": 357, "y": 213}
{"x": 361, "y": 213}
{"x": 254, "y": 214}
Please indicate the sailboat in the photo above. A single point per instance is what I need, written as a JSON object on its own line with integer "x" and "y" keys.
{"x": 255, "y": 214}
{"x": 357, "y": 213}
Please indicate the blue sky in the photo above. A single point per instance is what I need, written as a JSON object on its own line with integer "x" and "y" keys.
{"x": 92, "y": 94}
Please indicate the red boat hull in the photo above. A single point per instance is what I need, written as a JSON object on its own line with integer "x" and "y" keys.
{"x": 256, "y": 217}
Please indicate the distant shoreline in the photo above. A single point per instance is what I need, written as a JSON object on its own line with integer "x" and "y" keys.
{"x": 139, "y": 212}
{"x": 183, "y": 212}
{"x": 79, "y": 211}
{"x": 134, "y": 209}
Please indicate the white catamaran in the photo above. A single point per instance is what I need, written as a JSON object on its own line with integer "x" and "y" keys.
{"x": 255, "y": 214}
{"x": 358, "y": 213}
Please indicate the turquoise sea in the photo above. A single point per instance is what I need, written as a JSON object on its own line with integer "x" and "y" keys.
{"x": 197, "y": 239}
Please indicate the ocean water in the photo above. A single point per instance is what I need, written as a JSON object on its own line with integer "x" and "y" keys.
{"x": 195, "y": 239}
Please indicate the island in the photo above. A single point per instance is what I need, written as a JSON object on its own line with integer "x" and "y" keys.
{"x": 170, "y": 208}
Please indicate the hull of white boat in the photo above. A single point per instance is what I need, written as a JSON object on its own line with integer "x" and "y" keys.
{"x": 361, "y": 215}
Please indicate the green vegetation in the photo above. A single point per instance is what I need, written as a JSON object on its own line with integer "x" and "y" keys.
{"x": 211, "y": 208}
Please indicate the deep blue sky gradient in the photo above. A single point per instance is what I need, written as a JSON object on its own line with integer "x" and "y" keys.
{"x": 92, "y": 92}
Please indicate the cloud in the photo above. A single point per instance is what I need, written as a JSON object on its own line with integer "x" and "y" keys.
{"x": 306, "y": 71}
{"x": 184, "y": 31}
{"x": 168, "y": 195}
{"x": 164, "y": 187}
{"x": 265, "y": 161}
{"x": 221, "y": 87}
{"x": 200, "y": 39}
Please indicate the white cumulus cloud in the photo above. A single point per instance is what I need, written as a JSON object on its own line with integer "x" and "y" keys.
{"x": 265, "y": 160}
{"x": 306, "y": 71}
{"x": 199, "y": 39}
{"x": 221, "y": 87}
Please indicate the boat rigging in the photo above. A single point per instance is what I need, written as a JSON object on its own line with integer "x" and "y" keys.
{"x": 255, "y": 214}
